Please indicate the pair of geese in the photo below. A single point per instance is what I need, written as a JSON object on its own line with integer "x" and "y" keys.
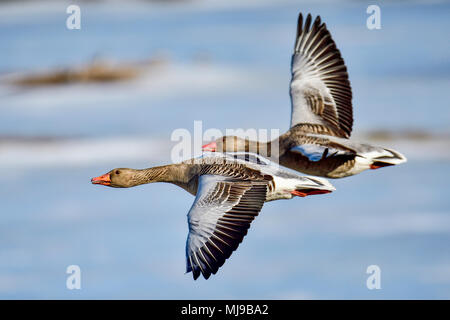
{"x": 231, "y": 184}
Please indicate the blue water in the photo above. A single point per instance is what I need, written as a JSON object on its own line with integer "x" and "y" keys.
{"x": 129, "y": 243}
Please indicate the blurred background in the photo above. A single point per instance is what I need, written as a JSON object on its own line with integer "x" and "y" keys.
{"x": 76, "y": 103}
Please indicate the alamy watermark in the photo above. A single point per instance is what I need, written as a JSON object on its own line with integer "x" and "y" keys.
{"x": 374, "y": 280}
{"x": 74, "y": 19}
{"x": 374, "y": 20}
{"x": 73, "y": 281}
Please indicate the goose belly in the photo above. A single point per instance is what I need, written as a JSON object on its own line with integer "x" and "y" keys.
{"x": 350, "y": 168}
{"x": 282, "y": 186}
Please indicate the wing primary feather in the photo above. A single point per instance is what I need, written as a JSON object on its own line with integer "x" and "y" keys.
{"x": 220, "y": 218}
{"x": 319, "y": 67}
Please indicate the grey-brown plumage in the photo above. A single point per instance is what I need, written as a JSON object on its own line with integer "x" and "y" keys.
{"x": 229, "y": 190}
{"x": 321, "y": 116}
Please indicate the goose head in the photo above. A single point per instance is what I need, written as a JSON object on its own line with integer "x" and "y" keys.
{"x": 117, "y": 178}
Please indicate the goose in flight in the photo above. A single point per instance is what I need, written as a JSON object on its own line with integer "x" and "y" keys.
{"x": 317, "y": 142}
{"x": 229, "y": 189}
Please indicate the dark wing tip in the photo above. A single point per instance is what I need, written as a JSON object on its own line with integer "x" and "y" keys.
{"x": 317, "y": 21}
{"x": 195, "y": 273}
{"x": 308, "y": 22}
{"x": 306, "y": 26}
{"x": 202, "y": 265}
{"x": 299, "y": 26}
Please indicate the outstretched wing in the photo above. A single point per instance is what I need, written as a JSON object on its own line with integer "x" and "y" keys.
{"x": 320, "y": 89}
{"x": 219, "y": 219}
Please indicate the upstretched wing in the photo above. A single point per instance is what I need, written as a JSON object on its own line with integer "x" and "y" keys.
{"x": 320, "y": 89}
{"x": 219, "y": 219}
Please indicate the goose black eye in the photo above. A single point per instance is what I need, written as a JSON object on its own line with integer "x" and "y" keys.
{"x": 117, "y": 171}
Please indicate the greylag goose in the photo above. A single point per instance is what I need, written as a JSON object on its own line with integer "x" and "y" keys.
{"x": 321, "y": 115}
{"x": 229, "y": 189}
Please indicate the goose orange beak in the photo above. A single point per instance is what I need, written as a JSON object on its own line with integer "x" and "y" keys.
{"x": 212, "y": 146}
{"x": 104, "y": 180}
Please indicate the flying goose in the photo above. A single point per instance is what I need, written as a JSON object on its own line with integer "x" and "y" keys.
{"x": 317, "y": 142}
{"x": 229, "y": 190}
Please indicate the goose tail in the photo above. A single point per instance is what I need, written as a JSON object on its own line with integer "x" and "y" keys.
{"x": 387, "y": 158}
{"x": 312, "y": 186}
